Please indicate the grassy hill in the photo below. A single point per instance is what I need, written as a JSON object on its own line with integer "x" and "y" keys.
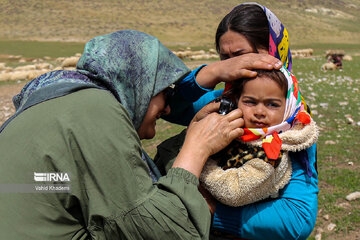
{"x": 176, "y": 23}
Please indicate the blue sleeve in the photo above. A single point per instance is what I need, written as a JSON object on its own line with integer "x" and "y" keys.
{"x": 189, "y": 89}
{"x": 190, "y": 97}
{"x": 290, "y": 216}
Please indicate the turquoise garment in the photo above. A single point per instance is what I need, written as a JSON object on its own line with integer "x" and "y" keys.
{"x": 291, "y": 216}
{"x": 190, "y": 99}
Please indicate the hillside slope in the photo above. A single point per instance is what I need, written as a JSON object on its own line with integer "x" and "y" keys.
{"x": 176, "y": 23}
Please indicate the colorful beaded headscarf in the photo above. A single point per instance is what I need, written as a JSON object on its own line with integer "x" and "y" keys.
{"x": 278, "y": 39}
{"x": 294, "y": 112}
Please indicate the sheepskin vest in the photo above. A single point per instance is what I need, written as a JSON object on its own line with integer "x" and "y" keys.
{"x": 257, "y": 179}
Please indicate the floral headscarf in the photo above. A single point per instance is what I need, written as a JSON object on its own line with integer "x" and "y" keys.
{"x": 278, "y": 39}
{"x": 134, "y": 66}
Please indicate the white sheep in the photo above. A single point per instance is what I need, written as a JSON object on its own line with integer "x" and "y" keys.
{"x": 60, "y": 59}
{"x": 212, "y": 51}
{"x": 308, "y": 52}
{"x": 347, "y": 58}
{"x": 70, "y": 62}
{"x": 44, "y": 66}
{"x": 18, "y": 75}
{"x": 5, "y": 76}
{"x": 196, "y": 57}
{"x": 36, "y": 73}
{"x": 25, "y": 68}
{"x": 328, "y": 66}
{"x": 2, "y": 66}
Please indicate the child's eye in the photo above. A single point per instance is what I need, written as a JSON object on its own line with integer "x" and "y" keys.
{"x": 273, "y": 105}
{"x": 249, "y": 102}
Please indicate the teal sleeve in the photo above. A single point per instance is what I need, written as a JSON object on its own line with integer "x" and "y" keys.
{"x": 189, "y": 88}
{"x": 291, "y": 216}
{"x": 190, "y": 98}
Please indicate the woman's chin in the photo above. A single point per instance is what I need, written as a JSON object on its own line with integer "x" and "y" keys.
{"x": 150, "y": 135}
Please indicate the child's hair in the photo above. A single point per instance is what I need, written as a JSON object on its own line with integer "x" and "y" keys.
{"x": 237, "y": 88}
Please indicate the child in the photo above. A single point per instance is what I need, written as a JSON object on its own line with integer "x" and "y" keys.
{"x": 256, "y": 166}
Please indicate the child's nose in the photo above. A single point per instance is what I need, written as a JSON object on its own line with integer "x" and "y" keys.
{"x": 259, "y": 111}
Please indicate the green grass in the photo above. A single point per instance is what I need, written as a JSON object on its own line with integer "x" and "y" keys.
{"x": 36, "y": 49}
{"x": 337, "y": 178}
{"x": 180, "y": 22}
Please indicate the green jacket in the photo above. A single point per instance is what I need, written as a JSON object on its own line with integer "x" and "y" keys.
{"x": 111, "y": 193}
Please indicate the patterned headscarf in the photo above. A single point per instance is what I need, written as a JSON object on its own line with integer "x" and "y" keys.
{"x": 132, "y": 65}
{"x": 278, "y": 39}
{"x": 294, "y": 112}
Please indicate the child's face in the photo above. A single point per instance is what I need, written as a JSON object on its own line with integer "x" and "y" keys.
{"x": 262, "y": 102}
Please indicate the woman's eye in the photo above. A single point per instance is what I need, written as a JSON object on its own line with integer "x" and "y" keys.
{"x": 236, "y": 54}
{"x": 224, "y": 56}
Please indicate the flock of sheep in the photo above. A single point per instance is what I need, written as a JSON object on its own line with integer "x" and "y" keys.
{"x": 197, "y": 55}
{"x": 41, "y": 66}
{"x": 37, "y": 68}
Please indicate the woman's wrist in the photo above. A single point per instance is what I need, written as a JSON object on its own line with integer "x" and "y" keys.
{"x": 207, "y": 77}
{"x": 191, "y": 159}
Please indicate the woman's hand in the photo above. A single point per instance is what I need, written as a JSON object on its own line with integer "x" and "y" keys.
{"x": 208, "y": 133}
{"x": 234, "y": 68}
{"x": 206, "y": 110}
{"x": 214, "y": 132}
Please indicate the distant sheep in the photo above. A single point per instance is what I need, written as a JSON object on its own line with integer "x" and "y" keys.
{"x": 328, "y": 66}
{"x": 18, "y": 75}
{"x": 21, "y": 75}
{"x": 347, "y": 58}
{"x": 34, "y": 74}
{"x": 5, "y": 76}
{"x": 60, "y": 59}
{"x": 25, "y": 68}
{"x": 300, "y": 53}
{"x": 70, "y": 62}
{"x": 2, "y": 66}
{"x": 7, "y": 69}
{"x": 197, "y": 55}
{"x": 40, "y": 66}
